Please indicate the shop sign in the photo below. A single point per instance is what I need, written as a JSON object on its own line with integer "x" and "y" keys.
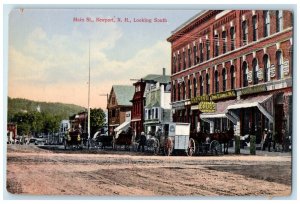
{"x": 286, "y": 67}
{"x": 198, "y": 99}
{"x": 254, "y": 89}
{"x": 207, "y": 107}
{"x": 222, "y": 95}
{"x": 272, "y": 71}
{"x": 178, "y": 106}
{"x": 249, "y": 76}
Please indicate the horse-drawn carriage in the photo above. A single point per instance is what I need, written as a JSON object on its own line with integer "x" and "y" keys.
{"x": 75, "y": 139}
{"x": 101, "y": 141}
{"x": 123, "y": 139}
{"x": 210, "y": 143}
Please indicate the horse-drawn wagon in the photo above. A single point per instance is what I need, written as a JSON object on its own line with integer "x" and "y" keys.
{"x": 75, "y": 139}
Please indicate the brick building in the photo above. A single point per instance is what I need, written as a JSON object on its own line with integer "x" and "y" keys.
{"x": 119, "y": 107}
{"x": 233, "y": 68}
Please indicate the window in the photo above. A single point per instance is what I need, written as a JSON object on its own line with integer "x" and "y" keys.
{"x": 232, "y": 77}
{"x": 113, "y": 100}
{"x": 207, "y": 84}
{"x": 184, "y": 62}
{"x": 174, "y": 93}
{"x": 266, "y": 68}
{"x": 195, "y": 55}
{"x": 245, "y": 74}
{"x": 216, "y": 82}
{"x": 224, "y": 77}
{"x": 216, "y": 41}
{"x": 207, "y": 50}
{"x": 149, "y": 114}
{"x": 245, "y": 32}
{"x": 266, "y": 23}
{"x": 279, "y": 64}
{"x": 279, "y": 21}
{"x": 183, "y": 91}
{"x": 179, "y": 60}
{"x": 254, "y": 25}
{"x": 224, "y": 38}
{"x": 152, "y": 113}
{"x": 201, "y": 85}
{"x": 174, "y": 64}
{"x": 255, "y": 71}
{"x": 156, "y": 113}
{"x": 113, "y": 113}
{"x": 232, "y": 38}
{"x": 201, "y": 52}
{"x": 189, "y": 58}
{"x": 195, "y": 86}
{"x": 189, "y": 89}
{"x": 178, "y": 91}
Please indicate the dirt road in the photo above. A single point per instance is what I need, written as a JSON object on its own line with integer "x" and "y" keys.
{"x": 31, "y": 170}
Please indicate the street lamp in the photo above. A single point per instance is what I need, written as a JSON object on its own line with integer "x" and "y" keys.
{"x": 108, "y": 133}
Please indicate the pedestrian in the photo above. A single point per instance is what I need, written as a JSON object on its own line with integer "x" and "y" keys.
{"x": 142, "y": 142}
{"x": 264, "y": 138}
{"x": 269, "y": 140}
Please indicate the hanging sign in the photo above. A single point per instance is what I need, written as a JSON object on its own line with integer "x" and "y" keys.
{"x": 207, "y": 107}
{"x": 286, "y": 67}
{"x": 249, "y": 76}
{"x": 272, "y": 71}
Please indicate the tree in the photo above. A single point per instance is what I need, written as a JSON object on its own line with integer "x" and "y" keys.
{"x": 97, "y": 119}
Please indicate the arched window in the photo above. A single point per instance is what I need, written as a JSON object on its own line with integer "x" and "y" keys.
{"x": 232, "y": 77}
{"x": 216, "y": 81}
{"x": 201, "y": 85}
{"x": 266, "y": 68}
{"x": 195, "y": 86}
{"x": 174, "y": 93}
{"x": 224, "y": 79}
{"x": 266, "y": 23}
{"x": 189, "y": 88}
{"x": 279, "y": 64}
{"x": 207, "y": 84}
{"x": 255, "y": 71}
{"x": 178, "y": 91}
{"x": 245, "y": 74}
{"x": 183, "y": 91}
{"x": 279, "y": 20}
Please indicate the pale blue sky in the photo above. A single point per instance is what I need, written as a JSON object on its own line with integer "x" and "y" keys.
{"x": 48, "y": 52}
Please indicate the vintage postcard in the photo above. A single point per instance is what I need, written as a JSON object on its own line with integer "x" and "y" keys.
{"x": 145, "y": 102}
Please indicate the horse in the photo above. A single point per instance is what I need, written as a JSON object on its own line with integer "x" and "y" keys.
{"x": 153, "y": 144}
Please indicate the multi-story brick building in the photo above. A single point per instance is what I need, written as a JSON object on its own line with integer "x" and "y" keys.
{"x": 119, "y": 107}
{"x": 233, "y": 68}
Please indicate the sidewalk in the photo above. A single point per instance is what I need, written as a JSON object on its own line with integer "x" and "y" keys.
{"x": 246, "y": 151}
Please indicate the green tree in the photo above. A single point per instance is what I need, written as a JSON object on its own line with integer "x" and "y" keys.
{"x": 97, "y": 119}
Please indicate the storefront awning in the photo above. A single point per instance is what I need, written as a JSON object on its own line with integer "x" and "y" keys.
{"x": 257, "y": 101}
{"x": 123, "y": 126}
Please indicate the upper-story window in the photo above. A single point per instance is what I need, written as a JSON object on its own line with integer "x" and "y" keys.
{"x": 232, "y": 38}
{"x": 207, "y": 84}
{"x": 201, "y": 85}
{"x": 183, "y": 91}
{"x": 279, "y": 64}
{"x": 245, "y": 74}
{"x": 266, "y": 68}
{"x": 201, "y": 51}
{"x": 245, "y": 32}
{"x": 224, "y": 77}
{"x": 189, "y": 89}
{"x": 279, "y": 20}
{"x": 255, "y": 71}
{"x": 174, "y": 64}
{"x": 266, "y": 15}
{"x": 174, "y": 93}
{"x": 224, "y": 38}
{"x": 195, "y": 55}
{"x": 189, "y": 58}
{"x": 207, "y": 49}
{"x": 232, "y": 77}
{"x": 217, "y": 43}
{"x": 195, "y": 86}
{"x": 179, "y": 61}
{"x": 254, "y": 25}
{"x": 184, "y": 60}
{"x": 156, "y": 113}
{"x": 216, "y": 81}
{"x": 178, "y": 92}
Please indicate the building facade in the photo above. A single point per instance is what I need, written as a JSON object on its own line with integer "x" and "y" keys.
{"x": 233, "y": 68}
{"x": 119, "y": 107}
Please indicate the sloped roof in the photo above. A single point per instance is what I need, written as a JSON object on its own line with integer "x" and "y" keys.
{"x": 124, "y": 94}
{"x": 163, "y": 79}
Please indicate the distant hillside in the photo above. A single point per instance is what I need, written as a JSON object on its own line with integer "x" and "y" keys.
{"x": 16, "y": 105}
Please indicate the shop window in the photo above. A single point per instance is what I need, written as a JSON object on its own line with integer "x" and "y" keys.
{"x": 254, "y": 25}
{"x": 207, "y": 49}
{"x": 224, "y": 38}
{"x": 201, "y": 85}
{"x": 195, "y": 86}
{"x": 224, "y": 77}
{"x": 266, "y": 15}
{"x": 255, "y": 71}
{"x": 232, "y": 77}
{"x": 216, "y": 81}
{"x": 245, "y": 74}
{"x": 207, "y": 84}
{"x": 279, "y": 20}
{"x": 245, "y": 32}
{"x": 232, "y": 38}
{"x": 216, "y": 42}
{"x": 266, "y": 68}
{"x": 279, "y": 65}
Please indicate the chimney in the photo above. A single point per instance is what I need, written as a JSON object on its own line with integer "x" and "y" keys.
{"x": 164, "y": 71}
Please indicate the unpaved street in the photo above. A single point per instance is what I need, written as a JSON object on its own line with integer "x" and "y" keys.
{"x": 35, "y": 171}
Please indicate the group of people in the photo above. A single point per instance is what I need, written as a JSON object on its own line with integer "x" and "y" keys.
{"x": 267, "y": 140}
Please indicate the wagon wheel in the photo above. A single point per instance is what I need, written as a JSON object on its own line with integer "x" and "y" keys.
{"x": 168, "y": 147}
{"x": 192, "y": 147}
{"x": 215, "y": 148}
